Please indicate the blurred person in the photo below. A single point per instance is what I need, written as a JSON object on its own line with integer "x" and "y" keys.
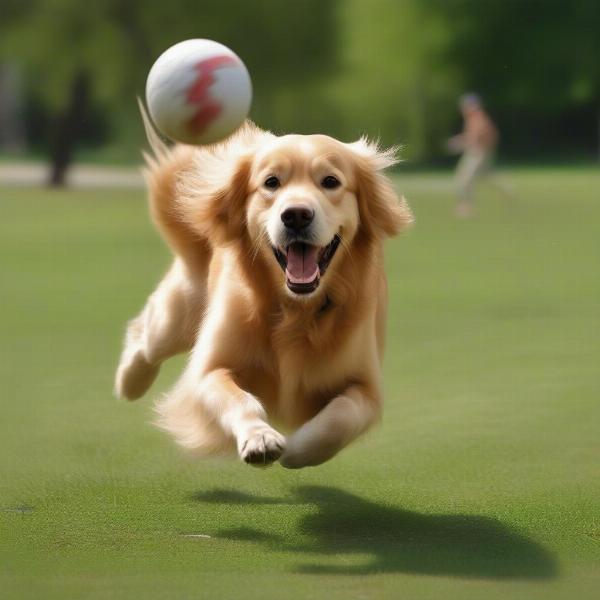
{"x": 477, "y": 143}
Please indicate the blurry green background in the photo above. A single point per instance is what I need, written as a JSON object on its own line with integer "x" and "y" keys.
{"x": 392, "y": 69}
{"x": 483, "y": 481}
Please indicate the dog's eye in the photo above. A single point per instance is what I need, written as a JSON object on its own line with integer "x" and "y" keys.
{"x": 330, "y": 182}
{"x": 272, "y": 182}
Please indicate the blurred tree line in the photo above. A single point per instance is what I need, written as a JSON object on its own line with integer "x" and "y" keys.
{"x": 389, "y": 68}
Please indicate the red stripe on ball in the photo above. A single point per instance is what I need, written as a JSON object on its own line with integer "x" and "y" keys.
{"x": 209, "y": 107}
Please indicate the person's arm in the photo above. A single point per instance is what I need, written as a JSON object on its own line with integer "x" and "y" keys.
{"x": 487, "y": 134}
{"x": 456, "y": 144}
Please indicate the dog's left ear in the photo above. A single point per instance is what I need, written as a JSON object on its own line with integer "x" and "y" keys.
{"x": 382, "y": 211}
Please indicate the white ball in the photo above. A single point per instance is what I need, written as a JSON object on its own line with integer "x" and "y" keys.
{"x": 198, "y": 92}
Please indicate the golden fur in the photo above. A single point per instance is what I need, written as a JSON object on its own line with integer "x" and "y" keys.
{"x": 311, "y": 363}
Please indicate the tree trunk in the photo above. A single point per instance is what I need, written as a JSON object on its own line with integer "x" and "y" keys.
{"x": 68, "y": 128}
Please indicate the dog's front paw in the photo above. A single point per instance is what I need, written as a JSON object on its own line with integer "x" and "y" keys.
{"x": 304, "y": 449}
{"x": 262, "y": 446}
{"x": 294, "y": 459}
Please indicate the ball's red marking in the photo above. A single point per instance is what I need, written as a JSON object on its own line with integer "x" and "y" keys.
{"x": 199, "y": 94}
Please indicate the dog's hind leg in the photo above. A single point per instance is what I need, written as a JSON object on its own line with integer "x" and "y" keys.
{"x": 166, "y": 326}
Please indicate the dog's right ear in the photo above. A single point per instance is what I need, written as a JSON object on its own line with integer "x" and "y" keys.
{"x": 212, "y": 198}
{"x": 212, "y": 193}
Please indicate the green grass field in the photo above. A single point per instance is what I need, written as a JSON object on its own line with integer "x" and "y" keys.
{"x": 483, "y": 481}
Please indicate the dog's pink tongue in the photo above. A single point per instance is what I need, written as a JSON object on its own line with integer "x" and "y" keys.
{"x": 302, "y": 264}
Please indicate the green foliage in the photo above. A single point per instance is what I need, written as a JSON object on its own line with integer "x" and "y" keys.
{"x": 118, "y": 40}
{"x": 541, "y": 54}
{"x": 395, "y": 82}
{"x": 389, "y": 68}
{"x": 536, "y": 63}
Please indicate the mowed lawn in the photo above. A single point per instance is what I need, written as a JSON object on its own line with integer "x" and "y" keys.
{"x": 483, "y": 481}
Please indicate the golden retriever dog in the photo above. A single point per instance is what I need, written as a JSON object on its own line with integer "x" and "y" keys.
{"x": 277, "y": 290}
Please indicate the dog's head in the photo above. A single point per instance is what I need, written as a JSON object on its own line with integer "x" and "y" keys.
{"x": 300, "y": 202}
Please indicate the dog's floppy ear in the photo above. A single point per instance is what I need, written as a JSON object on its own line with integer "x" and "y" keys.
{"x": 212, "y": 202}
{"x": 212, "y": 192}
{"x": 382, "y": 211}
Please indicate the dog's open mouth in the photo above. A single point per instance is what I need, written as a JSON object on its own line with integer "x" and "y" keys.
{"x": 305, "y": 264}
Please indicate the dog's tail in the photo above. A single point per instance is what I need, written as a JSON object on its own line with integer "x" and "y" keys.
{"x": 165, "y": 167}
{"x": 160, "y": 149}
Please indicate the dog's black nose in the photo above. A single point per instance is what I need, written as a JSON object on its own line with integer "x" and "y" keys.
{"x": 297, "y": 217}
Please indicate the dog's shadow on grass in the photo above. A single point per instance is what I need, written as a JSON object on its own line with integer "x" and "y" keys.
{"x": 395, "y": 540}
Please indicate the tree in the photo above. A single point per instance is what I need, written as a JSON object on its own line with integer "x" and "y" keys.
{"x": 535, "y": 63}
{"x": 98, "y": 53}
{"x": 394, "y": 81}
{"x": 390, "y": 68}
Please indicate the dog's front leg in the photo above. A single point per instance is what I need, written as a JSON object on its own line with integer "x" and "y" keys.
{"x": 242, "y": 416}
{"x": 335, "y": 426}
